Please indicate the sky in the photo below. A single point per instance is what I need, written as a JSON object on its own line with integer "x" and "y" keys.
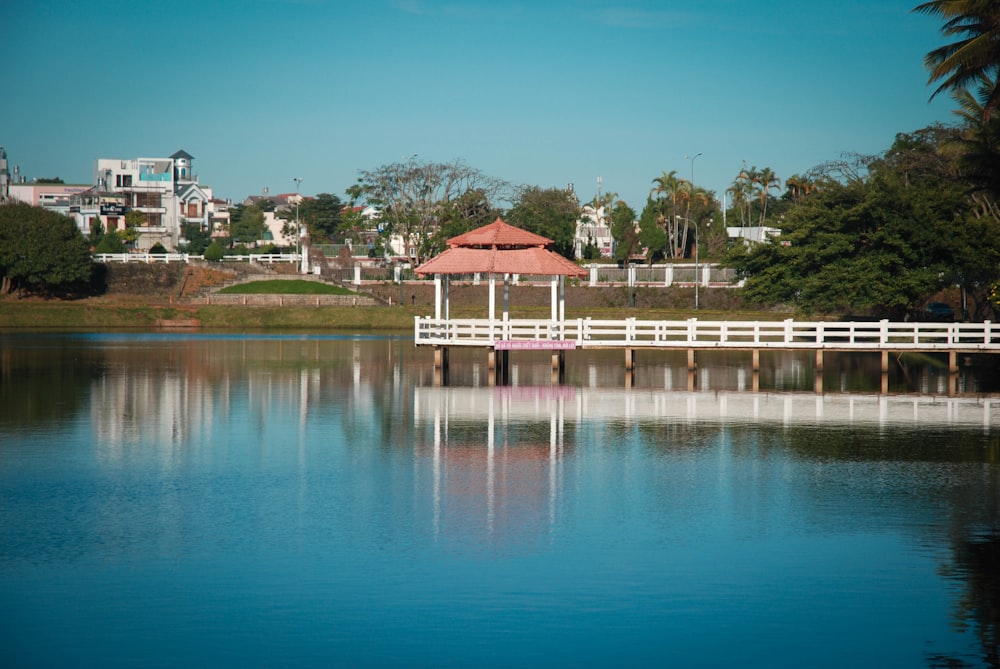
{"x": 535, "y": 92}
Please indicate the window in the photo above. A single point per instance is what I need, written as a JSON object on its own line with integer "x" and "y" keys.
{"x": 147, "y": 199}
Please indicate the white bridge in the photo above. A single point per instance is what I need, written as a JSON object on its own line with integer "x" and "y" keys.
{"x": 692, "y": 334}
{"x": 501, "y": 336}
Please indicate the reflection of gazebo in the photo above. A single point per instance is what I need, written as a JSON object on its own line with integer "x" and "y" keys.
{"x": 499, "y": 250}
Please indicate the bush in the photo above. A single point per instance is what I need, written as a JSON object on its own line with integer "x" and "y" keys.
{"x": 110, "y": 243}
{"x": 214, "y": 252}
{"x": 158, "y": 249}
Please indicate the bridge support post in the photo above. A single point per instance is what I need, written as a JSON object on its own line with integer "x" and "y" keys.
{"x": 440, "y": 365}
{"x": 755, "y": 364}
{"x": 885, "y": 372}
{"x": 818, "y": 370}
{"x": 692, "y": 360}
{"x": 952, "y": 373}
{"x": 498, "y": 367}
{"x": 558, "y": 367}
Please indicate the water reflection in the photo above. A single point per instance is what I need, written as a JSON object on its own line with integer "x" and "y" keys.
{"x": 382, "y": 511}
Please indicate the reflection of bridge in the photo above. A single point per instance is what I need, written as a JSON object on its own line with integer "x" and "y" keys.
{"x": 567, "y": 404}
{"x": 500, "y": 336}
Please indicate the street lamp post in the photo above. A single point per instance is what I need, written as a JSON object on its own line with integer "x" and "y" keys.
{"x": 692, "y": 159}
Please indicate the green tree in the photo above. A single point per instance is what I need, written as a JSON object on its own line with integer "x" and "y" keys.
{"x": 96, "y": 230}
{"x": 668, "y": 191}
{"x": 111, "y": 243}
{"x": 623, "y": 231}
{"x": 197, "y": 238}
{"x": 551, "y": 213}
{"x": 413, "y": 196}
{"x": 322, "y": 216}
{"x": 974, "y": 56}
{"x": 133, "y": 220}
{"x": 764, "y": 181}
{"x": 41, "y": 251}
{"x": 652, "y": 233}
{"x": 214, "y": 252}
{"x": 884, "y": 243}
{"x": 469, "y": 211}
{"x": 978, "y": 139}
{"x": 246, "y": 223}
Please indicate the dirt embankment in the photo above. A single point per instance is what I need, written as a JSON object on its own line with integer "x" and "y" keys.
{"x": 168, "y": 282}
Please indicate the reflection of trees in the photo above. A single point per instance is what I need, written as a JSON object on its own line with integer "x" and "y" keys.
{"x": 42, "y": 383}
{"x": 976, "y": 562}
{"x": 973, "y": 501}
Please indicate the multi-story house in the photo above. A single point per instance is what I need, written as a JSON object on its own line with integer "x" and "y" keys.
{"x": 165, "y": 190}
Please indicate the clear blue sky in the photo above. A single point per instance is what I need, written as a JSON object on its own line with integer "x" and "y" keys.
{"x": 535, "y": 92}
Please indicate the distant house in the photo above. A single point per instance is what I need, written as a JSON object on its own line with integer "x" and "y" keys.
{"x": 593, "y": 228}
{"x": 753, "y": 234}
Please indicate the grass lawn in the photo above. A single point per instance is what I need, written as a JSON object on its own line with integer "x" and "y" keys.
{"x": 285, "y": 287}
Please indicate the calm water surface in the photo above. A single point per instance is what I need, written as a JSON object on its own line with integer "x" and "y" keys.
{"x": 198, "y": 500}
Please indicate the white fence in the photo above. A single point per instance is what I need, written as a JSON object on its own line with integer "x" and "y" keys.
{"x": 187, "y": 257}
{"x": 697, "y": 334}
{"x": 706, "y": 275}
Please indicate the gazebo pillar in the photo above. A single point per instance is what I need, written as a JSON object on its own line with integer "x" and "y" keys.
{"x": 506, "y": 296}
{"x": 555, "y": 297}
{"x": 437, "y": 297}
{"x": 559, "y": 333}
{"x": 562, "y": 300}
{"x": 493, "y": 303}
{"x": 447, "y": 296}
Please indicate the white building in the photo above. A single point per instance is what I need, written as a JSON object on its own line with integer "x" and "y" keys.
{"x": 753, "y": 234}
{"x": 165, "y": 190}
{"x": 593, "y": 228}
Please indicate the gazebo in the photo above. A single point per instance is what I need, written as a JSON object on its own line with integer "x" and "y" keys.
{"x": 498, "y": 250}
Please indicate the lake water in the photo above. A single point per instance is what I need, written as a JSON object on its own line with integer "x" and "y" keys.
{"x": 302, "y": 500}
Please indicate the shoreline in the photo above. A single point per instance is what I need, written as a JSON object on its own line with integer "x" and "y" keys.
{"x": 136, "y": 312}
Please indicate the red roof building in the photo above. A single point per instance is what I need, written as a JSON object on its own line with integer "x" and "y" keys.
{"x": 499, "y": 250}
{"x": 502, "y": 249}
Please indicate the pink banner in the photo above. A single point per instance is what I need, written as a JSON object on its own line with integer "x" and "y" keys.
{"x": 534, "y": 345}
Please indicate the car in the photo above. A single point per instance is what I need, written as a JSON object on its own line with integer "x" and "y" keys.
{"x": 939, "y": 311}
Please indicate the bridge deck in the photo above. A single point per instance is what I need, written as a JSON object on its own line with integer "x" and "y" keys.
{"x": 693, "y": 333}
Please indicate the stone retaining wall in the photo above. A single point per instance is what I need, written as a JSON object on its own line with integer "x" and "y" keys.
{"x": 217, "y": 299}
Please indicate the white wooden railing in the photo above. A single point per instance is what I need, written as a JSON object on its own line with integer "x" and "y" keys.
{"x": 698, "y": 334}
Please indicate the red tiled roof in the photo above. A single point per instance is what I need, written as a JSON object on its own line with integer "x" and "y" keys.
{"x": 499, "y": 234}
{"x": 533, "y": 260}
{"x": 499, "y": 248}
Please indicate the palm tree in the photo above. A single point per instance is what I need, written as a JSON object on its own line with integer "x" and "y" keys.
{"x": 764, "y": 181}
{"x": 668, "y": 189}
{"x": 743, "y": 192}
{"x": 690, "y": 195}
{"x": 975, "y": 55}
{"x": 979, "y": 141}
{"x": 798, "y": 186}
{"x": 738, "y": 198}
